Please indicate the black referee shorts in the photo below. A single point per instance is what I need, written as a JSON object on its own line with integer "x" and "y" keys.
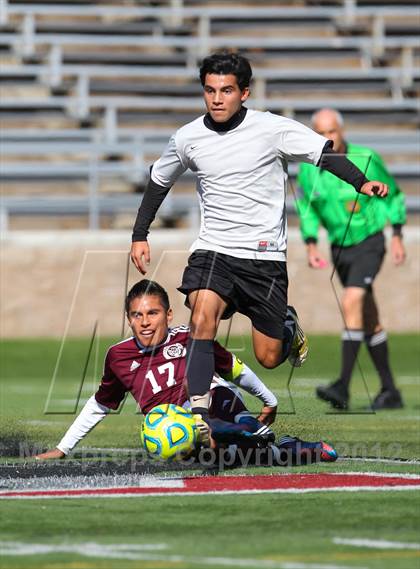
{"x": 359, "y": 264}
{"x": 257, "y": 289}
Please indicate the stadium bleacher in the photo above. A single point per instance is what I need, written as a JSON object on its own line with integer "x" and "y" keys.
{"x": 91, "y": 90}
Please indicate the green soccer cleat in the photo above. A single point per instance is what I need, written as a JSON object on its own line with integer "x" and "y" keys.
{"x": 299, "y": 350}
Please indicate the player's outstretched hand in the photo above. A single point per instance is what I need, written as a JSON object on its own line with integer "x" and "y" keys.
{"x": 140, "y": 255}
{"x": 397, "y": 250}
{"x": 374, "y": 189}
{"x": 53, "y": 454}
{"x": 268, "y": 415}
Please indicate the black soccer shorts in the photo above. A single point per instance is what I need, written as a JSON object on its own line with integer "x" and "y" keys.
{"x": 359, "y": 264}
{"x": 255, "y": 288}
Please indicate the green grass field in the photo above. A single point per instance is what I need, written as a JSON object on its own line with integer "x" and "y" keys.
{"x": 266, "y": 530}
{"x": 282, "y": 528}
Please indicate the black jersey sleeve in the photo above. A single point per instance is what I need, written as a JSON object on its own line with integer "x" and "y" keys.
{"x": 152, "y": 199}
{"x": 342, "y": 167}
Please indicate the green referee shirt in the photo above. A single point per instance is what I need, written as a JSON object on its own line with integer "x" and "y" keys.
{"x": 348, "y": 217}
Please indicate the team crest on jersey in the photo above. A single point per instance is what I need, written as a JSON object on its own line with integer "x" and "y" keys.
{"x": 174, "y": 351}
{"x": 353, "y": 206}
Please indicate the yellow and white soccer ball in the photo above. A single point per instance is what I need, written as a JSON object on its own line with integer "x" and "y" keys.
{"x": 169, "y": 432}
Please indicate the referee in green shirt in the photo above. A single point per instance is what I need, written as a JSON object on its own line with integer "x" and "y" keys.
{"x": 355, "y": 230}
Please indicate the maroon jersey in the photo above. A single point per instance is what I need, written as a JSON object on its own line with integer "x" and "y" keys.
{"x": 152, "y": 375}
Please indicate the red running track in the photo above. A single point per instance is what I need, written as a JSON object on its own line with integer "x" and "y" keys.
{"x": 287, "y": 483}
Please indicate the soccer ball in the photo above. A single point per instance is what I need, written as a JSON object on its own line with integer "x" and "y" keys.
{"x": 168, "y": 432}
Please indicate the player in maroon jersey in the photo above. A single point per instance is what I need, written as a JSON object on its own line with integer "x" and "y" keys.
{"x": 151, "y": 366}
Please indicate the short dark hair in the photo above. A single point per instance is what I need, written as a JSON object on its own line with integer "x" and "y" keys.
{"x": 227, "y": 64}
{"x": 149, "y": 288}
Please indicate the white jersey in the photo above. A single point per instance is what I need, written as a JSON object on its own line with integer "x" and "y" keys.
{"x": 242, "y": 180}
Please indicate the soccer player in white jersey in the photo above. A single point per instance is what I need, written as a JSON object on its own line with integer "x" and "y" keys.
{"x": 238, "y": 262}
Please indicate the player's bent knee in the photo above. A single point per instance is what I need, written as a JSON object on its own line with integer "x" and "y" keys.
{"x": 268, "y": 351}
{"x": 269, "y": 360}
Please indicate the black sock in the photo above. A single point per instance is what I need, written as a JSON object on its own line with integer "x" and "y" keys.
{"x": 351, "y": 342}
{"x": 377, "y": 344}
{"x": 200, "y": 371}
{"x": 289, "y": 333}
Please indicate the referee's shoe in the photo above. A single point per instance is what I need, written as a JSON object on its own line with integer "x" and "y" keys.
{"x": 335, "y": 393}
{"x": 299, "y": 349}
{"x": 387, "y": 399}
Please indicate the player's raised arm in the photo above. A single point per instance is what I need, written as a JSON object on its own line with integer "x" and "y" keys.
{"x": 343, "y": 168}
{"x": 91, "y": 414}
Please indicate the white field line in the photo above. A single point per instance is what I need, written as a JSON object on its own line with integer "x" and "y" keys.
{"x": 139, "y": 553}
{"x": 109, "y": 449}
{"x": 313, "y": 381}
{"x": 382, "y": 460}
{"x": 155, "y": 482}
{"x": 118, "y": 482}
{"x": 284, "y": 392}
{"x": 408, "y": 380}
{"x": 401, "y": 417}
{"x": 17, "y": 386}
{"x": 376, "y": 543}
{"x": 307, "y": 381}
{"x": 70, "y": 401}
{"x": 88, "y": 549}
{"x": 45, "y": 423}
{"x": 213, "y": 492}
{"x": 379, "y": 474}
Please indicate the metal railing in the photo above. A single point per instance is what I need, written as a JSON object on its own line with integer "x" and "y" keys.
{"x": 203, "y": 42}
{"x": 53, "y": 74}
